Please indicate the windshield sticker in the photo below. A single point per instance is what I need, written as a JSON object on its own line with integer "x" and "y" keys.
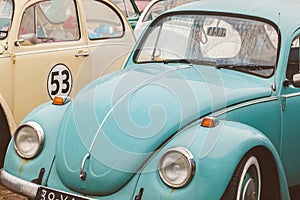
{"x": 216, "y": 32}
{"x": 59, "y": 81}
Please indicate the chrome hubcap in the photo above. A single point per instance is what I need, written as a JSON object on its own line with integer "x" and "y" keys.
{"x": 249, "y": 187}
{"x": 249, "y": 192}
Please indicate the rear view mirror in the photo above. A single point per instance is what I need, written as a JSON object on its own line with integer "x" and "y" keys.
{"x": 296, "y": 80}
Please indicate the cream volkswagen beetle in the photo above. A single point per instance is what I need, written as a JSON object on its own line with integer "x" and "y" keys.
{"x": 53, "y": 47}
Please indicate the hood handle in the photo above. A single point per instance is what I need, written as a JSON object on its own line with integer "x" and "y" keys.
{"x": 82, "y": 172}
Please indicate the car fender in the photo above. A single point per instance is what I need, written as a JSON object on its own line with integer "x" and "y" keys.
{"x": 9, "y": 116}
{"x": 48, "y": 116}
{"x": 217, "y": 152}
{"x": 233, "y": 142}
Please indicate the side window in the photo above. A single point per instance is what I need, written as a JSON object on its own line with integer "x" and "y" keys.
{"x": 50, "y": 21}
{"x": 6, "y": 11}
{"x": 294, "y": 59}
{"x": 126, "y": 7}
{"x": 102, "y": 20}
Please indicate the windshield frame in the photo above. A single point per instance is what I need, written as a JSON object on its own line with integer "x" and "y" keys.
{"x": 214, "y": 13}
{"x": 10, "y": 22}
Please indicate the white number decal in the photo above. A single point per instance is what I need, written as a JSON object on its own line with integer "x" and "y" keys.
{"x": 59, "y": 81}
{"x": 44, "y": 192}
{"x": 51, "y": 196}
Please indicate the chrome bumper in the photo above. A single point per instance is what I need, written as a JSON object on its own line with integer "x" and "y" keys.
{"x": 32, "y": 190}
{"x": 18, "y": 185}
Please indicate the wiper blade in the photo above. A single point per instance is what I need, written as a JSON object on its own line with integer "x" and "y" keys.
{"x": 180, "y": 60}
{"x": 251, "y": 67}
{"x": 225, "y": 66}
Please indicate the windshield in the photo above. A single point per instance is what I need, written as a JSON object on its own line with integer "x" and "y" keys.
{"x": 222, "y": 41}
{"x": 6, "y": 11}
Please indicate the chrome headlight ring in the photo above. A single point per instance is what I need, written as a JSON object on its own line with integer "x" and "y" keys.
{"x": 29, "y": 140}
{"x": 177, "y": 167}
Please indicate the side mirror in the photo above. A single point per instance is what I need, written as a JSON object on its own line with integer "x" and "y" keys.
{"x": 1, "y": 49}
{"x": 296, "y": 80}
{"x": 26, "y": 40}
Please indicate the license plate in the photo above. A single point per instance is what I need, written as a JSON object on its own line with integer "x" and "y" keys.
{"x": 44, "y": 193}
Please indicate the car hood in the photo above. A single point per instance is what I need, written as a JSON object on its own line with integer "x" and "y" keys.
{"x": 114, "y": 124}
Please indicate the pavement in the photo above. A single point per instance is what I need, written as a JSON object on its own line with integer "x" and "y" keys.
{"x": 9, "y": 195}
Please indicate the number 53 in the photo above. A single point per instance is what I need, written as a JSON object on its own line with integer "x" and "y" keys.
{"x": 59, "y": 81}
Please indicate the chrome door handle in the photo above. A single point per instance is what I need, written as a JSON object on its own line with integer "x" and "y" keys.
{"x": 82, "y": 53}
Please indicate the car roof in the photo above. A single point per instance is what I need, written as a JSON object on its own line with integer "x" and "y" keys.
{"x": 285, "y": 14}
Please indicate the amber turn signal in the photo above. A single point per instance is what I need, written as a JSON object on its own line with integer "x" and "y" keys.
{"x": 209, "y": 122}
{"x": 59, "y": 100}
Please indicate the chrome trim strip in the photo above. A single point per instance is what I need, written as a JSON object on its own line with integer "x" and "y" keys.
{"x": 49, "y": 50}
{"x": 18, "y": 185}
{"x": 232, "y": 108}
{"x": 291, "y": 95}
{"x": 4, "y": 56}
{"x": 109, "y": 44}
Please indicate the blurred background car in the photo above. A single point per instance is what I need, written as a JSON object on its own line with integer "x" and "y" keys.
{"x": 54, "y": 47}
{"x": 153, "y": 9}
{"x": 141, "y": 4}
{"x": 130, "y": 10}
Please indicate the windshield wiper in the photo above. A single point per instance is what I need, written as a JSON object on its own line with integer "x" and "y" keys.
{"x": 250, "y": 67}
{"x": 179, "y": 60}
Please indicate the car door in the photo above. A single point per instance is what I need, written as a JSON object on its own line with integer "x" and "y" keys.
{"x": 56, "y": 52}
{"x": 110, "y": 37}
{"x": 47, "y": 54}
{"x": 291, "y": 117}
{"x": 6, "y": 15}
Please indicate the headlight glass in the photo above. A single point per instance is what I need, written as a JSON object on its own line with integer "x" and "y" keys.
{"x": 177, "y": 167}
{"x": 29, "y": 140}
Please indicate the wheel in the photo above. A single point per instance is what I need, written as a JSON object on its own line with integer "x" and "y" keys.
{"x": 245, "y": 183}
{"x": 4, "y": 136}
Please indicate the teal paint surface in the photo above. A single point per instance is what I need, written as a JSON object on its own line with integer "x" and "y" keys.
{"x": 128, "y": 119}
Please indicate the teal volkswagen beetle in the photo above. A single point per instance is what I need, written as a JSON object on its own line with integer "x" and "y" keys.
{"x": 207, "y": 107}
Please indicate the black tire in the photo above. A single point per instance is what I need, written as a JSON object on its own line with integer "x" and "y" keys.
{"x": 245, "y": 183}
{"x": 4, "y": 136}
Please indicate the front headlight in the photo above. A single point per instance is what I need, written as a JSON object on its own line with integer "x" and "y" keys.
{"x": 29, "y": 140}
{"x": 177, "y": 167}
